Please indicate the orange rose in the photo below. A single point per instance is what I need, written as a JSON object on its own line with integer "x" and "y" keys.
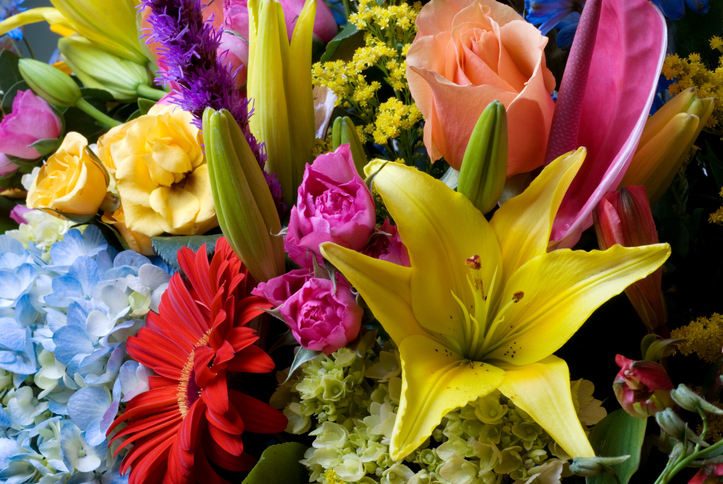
{"x": 468, "y": 53}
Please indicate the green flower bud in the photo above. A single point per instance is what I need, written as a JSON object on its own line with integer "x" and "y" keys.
{"x": 343, "y": 131}
{"x": 592, "y": 466}
{"x": 99, "y": 69}
{"x": 483, "y": 172}
{"x": 51, "y": 84}
{"x": 691, "y": 401}
{"x": 244, "y": 205}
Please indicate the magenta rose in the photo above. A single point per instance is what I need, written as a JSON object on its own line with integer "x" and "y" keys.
{"x": 320, "y": 318}
{"x": 6, "y": 166}
{"x": 387, "y": 245}
{"x": 32, "y": 119}
{"x": 279, "y": 289}
{"x": 333, "y": 205}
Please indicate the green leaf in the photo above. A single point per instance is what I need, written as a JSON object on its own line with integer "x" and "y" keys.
{"x": 302, "y": 356}
{"x": 618, "y": 434}
{"x": 10, "y": 93}
{"x": 345, "y": 42}
{"x": 168, "y": 247}
{"x": 145, "y": 105}
{"x": 279, "y": 464}
{"x": 9, "y": 72}
{"x": 46, "y": 146}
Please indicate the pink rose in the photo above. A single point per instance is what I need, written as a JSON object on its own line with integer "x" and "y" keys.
{"x": 279, "y": 289}
{"x": 333, "y": 205}
{"x": 320, "y": 318}
{"x": 18, "y": 213}
{"x": 32, "y": 119}
{"x": 388, "y": 247}
{"x": 6, "y": 166}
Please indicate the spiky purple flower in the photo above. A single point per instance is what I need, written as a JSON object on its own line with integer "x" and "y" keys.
{"x": 189, "y": 50}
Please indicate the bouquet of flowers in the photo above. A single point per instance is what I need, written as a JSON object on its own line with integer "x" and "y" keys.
{"x": 362, "y": 241}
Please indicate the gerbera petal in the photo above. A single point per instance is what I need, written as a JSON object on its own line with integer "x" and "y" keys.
{"x": 230, "y": 421}
{"x": 525, "y": 221}
{"x": 216, "y": 395}
{"x": 435, "y": 380}
{"x": 259, "y": 417}
{"x": 428, "y": 213}
{"x": 228, "y": 442}
{"x": 251, "y": 360}
{"x": 241, "y": 337}
{"x": 191, "y": 426}
{"x": 558, "y": 291}
{"x": 542, "y": 390}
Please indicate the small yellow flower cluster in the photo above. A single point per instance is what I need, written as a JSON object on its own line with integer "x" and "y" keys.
{"x": 715, "y": 425}
{"x": 692, "y": 72}
{"x": 388, "y": 30}
{"x": 331, "y": 477}
{"x": 717, "y": 216}
{"x": 704, "y": 337}
{"x": 393, "y": 117}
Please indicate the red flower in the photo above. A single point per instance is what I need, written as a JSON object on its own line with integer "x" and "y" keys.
{"x": 189, "y": 416}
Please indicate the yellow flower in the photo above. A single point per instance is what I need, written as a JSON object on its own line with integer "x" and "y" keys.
{"x": 483, "y": 305}
{"x": 135, "y": 241}
{"x": 71, "y": 182}
{"x": 161, "y": 173}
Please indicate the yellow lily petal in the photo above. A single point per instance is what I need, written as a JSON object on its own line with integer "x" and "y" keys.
{"x": 47, "y": 14}
{"x": 384, "y": 286}
{"x": 429, "y": 215}
{"x": 557, "y": 292}
{"x": 524, "y": 222}
{"x": 543, "y": 391}
{"x": 435, "y": 380}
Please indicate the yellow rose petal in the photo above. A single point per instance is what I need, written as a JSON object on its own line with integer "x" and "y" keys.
{"x": 176, "y": 205}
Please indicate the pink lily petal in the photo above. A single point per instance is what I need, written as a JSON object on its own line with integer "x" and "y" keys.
{"x": 604, "y": 100}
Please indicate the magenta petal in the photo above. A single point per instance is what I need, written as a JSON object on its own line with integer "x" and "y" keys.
{"x": 604, "y": 101}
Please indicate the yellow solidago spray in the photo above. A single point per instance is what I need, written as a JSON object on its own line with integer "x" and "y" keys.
{"x": 279, "y": 83}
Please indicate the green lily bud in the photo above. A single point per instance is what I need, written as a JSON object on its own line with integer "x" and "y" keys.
{"x": 99, "y": 69}
{"x": 674, "y": 426}
{"x": 51, "y": 84}
{"x": 483, "y": 172}
{"x": 691, "y": 401}
{"x": 343, "y": 131}
{"x": 244, "y": 205}
{"x": 592, "y": 466}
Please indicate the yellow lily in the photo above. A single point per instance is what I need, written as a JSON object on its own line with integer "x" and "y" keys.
{"x": 483, "y": 305}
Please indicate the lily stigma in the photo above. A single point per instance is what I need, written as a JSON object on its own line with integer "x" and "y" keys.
{"x": 484, "y": 306}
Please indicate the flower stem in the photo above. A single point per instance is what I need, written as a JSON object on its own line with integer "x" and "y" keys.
{"x": 150, "y": 92}
{"x": 90, "y": 110}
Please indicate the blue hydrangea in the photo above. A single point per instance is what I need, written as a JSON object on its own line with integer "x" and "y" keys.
{"x": 548, "y": 13}
{"x": 8, "y": 8}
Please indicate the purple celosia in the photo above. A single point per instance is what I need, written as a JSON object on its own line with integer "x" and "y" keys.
{"x": 189, "y": 50}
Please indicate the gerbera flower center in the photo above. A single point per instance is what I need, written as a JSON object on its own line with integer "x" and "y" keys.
{"x": 188, "y": 391}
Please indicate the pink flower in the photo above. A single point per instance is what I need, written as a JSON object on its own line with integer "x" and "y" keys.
{"x": 18, "y": 213}
{"x": 32, "y": 119}
{"x": 279, "y": 289}
{"x": 709, "y": 474}
{"x": 6, "y": 166}
{"x": 624, "y": 217}
{"x": 642, "y": 387}
{"x": 388, "y": 246}
{"x": 320, "y": 318}
{"x": 333, "y": 205}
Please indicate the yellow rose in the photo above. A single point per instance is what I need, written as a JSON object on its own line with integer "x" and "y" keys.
{"x": 161, "y": 173}
{"x": 71, "y": 181}
{"x": 135, "y": 241}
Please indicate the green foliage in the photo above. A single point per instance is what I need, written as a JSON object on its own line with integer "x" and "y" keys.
{"x": 279, "y": 464}
{"x": 618, "y": 434}
{"x": 168, "y": 247}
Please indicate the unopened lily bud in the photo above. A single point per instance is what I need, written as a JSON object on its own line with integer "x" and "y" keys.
{"x": 49, "y": 83}
{"x": 592, "y": 466}
{"x": 642, "y": 387}
{"x": 483, "y": 172}
{"x": 693, "y": 402}
{"x": 624, "y": 217}
{"x": 244, "y": 206}
{"x": 666, "y": 142}
{"x": 671, "y": 423}
{"x": 99, "y": 69}
{"x": 343, "y": 132}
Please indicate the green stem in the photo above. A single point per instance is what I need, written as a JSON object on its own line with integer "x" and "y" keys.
{"x": 668, "y": 474}
{"x": 150, "y": 92}
{"x": 30, "y": 49}
{"x": 90, "y": 110}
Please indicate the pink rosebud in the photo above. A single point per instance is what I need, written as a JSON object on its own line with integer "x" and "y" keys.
{"x": 624, "y": 217}
{"x": 6, "y": 166}
{"x": 387, "y": 245}
{"x": 32, "y": 119}
{"x": 642, "y": 387}
{"x": 18, "y": 213}
{"x": 279, "y": 289}
{"x": 320, "y": 318}
{"x": 333, "y": 205}
{"x": 709, "y": 474}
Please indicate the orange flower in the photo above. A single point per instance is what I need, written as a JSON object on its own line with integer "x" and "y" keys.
{"x": 468, "y": 53}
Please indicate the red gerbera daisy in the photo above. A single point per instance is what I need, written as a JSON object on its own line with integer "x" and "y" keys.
{"x": 189, "y": 416}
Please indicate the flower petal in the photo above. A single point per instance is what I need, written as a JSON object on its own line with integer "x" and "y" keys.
{"x": 543, "y": 391}
{"x": 429, "y": 215}
{"x": 435, "y": 380}
{"x": 385, "y": 287}
{"x": 525, "y": 222}
{"x": 557, "y": 292}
